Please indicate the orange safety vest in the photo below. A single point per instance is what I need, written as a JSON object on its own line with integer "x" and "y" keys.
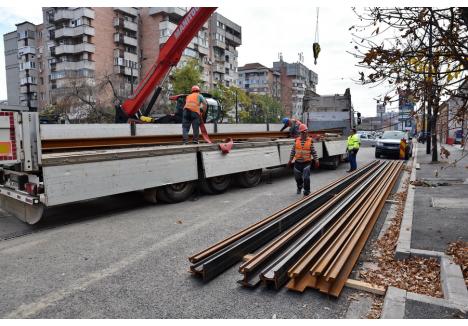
{"x": 192, "y": 103}
{"x": 303, "y": 152}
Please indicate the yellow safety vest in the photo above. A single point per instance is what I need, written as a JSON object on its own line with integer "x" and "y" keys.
{"x": 353, "y": 142}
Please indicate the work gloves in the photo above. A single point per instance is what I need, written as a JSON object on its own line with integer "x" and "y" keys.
{"x": 290, "y": 164}
{"x": 316, "y": 164}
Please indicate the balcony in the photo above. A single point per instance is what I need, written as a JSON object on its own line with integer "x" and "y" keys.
{"x": 125, "y": 71}
{"x": 234, "y": 39}
{"x": 219, "y": 44}
{"x": 26, "y": 50}
{"x": 119, "y": 53}
{"x": 127, "y": 10}
{"x": 27, "y": 65}
{"x": 201, "y": 49}
{"x": 68, "y": 14}
{"x": 219, "y": 68}
{"x": 27, "y": 80}
{"x": 32, "y": 89}
{"x": 74, "y": 31}
{"x": 121, "y": 38}
{"x": 122, "y": 23}
{"x": 175, "y": 12}
{"x": 77, "y": 65}
{"x": 77, "y": 48}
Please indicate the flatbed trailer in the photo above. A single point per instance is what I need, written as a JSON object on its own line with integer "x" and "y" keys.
{"x": 33, "y": 178}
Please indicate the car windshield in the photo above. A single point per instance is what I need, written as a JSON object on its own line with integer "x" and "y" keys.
{"x": 393, "y": 135}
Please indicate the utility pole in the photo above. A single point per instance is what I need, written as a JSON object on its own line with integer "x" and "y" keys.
{"x": 237, "y": 116}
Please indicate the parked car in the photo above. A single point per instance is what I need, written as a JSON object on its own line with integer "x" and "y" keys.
{"x": 366, "y": 139}
{"x": 389, "y": 144}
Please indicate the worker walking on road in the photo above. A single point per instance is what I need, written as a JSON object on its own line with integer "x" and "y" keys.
{"x": 302, "y": 153}
{"x": 293, "y": 125}
{"x": 191, "y": 115}
{"x": 352, "y": 149}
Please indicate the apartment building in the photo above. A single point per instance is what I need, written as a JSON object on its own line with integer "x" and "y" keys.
{"x": 296, "y": 79}
{"x": 84, "y": 45}
{"x": 258, "y": 79}
{"x": 23, "y": 71}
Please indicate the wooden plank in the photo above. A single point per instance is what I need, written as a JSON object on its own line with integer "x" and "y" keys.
{"x": 418, "y": 166}
{"x": 364, "y": 286}
{"x": 391, "y": 201}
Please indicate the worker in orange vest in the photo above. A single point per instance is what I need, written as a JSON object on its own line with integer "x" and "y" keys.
{"x": 293, "y": 125}
{"x": 191, "y": 115}
{"x": 302, "y": 153}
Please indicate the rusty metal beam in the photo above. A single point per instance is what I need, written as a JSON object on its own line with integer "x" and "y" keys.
{"x": 112, "y": 142}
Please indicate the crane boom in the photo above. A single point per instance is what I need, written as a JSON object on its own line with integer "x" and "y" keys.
{"x": 169, "y": 56}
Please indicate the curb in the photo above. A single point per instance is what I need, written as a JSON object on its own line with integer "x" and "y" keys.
{"x": 403, "y": 248}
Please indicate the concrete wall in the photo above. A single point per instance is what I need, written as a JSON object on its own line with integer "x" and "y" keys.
{"x": 10, "y": 41}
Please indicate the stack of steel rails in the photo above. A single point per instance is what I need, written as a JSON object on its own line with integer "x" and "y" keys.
{"x": 64, "y": 144}
{"x": 313, "y": 243}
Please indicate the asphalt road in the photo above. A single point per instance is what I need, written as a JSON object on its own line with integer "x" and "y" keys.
{"x": 127, "y": 259}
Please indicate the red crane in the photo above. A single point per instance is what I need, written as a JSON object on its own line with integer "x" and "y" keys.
{"x": 169, "y": 56}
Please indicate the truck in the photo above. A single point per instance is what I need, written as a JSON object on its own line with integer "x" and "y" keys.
{"x": 45, "y": 165}
{"x": 55, "y": 164}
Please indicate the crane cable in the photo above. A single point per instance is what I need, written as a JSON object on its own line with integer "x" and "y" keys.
{"x": 316, "y": 45}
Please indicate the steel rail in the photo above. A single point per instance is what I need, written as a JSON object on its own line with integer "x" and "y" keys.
{"x": 322, "y": 282}
{"x": 252, "y": 268}
{"x": 333, "y": 285}
{"x": 222, "y": 244}
{"x": 351, "y": 260}
{"x": 232, "y": 252}
{"x": 126, "y": 141}
{"x": 365, "y": 201}
{"x": 276, "y": 272}
{"x": 341, "y": 227}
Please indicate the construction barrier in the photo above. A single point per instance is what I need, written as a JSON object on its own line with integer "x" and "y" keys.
{"x": 402, "y": 149}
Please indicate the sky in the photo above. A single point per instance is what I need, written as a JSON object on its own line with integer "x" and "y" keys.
{"x": 267, "y": 30}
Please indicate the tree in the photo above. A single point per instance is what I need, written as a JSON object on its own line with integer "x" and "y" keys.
{"x": 227, "y": 97}
{"x": 421, "y": 52}
{"x": 183, "y": 78}
{"x": 264, "y": 108}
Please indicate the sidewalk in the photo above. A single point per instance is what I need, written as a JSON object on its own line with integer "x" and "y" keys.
{"x": 435, "y": 215}
{"x": 441, "y": 210}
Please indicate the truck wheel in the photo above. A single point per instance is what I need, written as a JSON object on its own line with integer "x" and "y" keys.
{"x": 179, "y": 192}
{"x": 250, "y": 178}
{"x": 219, "y": 184}
{"x": 204, "y": 187}
{"x": 161, "y": 196}
{"x": 335, "y": 163}
{"x": 377, "y": 155}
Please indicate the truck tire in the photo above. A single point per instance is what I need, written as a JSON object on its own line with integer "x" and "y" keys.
{"x": 335, "y": 163}
{"x": 219, "y": 184}
{"x": 250, "y": 178}
{"x": 161, "y": 196}
{"x": 178, "y": 192}
{"x": 377, "y": 155}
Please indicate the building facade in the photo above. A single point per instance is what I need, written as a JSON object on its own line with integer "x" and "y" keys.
{"x": 296, "y": 79}
{"x": 257, "y": 79}
{"x": 85, "y": 46}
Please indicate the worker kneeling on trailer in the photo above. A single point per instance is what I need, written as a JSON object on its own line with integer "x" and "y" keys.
{"x": 302, "y": 153}
{"x": 293, "y": 125}
{"x": 191, "y": 116}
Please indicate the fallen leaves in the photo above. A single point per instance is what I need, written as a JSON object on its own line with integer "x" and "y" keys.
{"x": 415, "y": 274}
{"x": 459, "y": 251}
